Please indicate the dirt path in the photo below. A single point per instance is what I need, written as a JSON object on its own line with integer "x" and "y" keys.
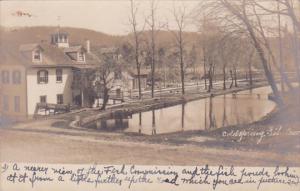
{"x": 52, "y": 148}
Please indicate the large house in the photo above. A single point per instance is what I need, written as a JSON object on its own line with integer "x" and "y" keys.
{"x": 44, "y": 73}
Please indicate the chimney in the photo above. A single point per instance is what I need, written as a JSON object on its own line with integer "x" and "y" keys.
{"x": 88, "y": 47}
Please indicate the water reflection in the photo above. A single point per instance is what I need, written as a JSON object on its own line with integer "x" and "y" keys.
{"x": 224, "y": 120}
{"x": 205, "y": 114}
{"x": 110, "y": 125}
{"x": 153, "y": 123}
{"x": 182, "y": 116}
{"x": 140, "y": 122}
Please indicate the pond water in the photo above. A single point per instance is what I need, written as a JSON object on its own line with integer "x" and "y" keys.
{"x": 204, "y": 114}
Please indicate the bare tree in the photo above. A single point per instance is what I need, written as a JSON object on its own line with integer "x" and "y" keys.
{"x": 104, "y": 75}
{"x": 229, "y": 49}
{"x": 280, "y": 44}
{"x": 204, "y": 49}
{"x": 180, "y": 17}
{"x": 154, "y": 29}
{"x": 83, "y": 81}
{"x": 240, "y": 10}
{"x": 265, "y": 42}
{"x": 211, "y": 39}
{"x": 136, "y": 35}
{"x": 286, "y": 8}
{"x": 211, "y": 71}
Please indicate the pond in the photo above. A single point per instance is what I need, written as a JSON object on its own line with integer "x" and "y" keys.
{"x": 204, "y": 114}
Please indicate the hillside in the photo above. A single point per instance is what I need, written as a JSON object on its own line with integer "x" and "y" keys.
{"x": 12, "y": 38}
{"x": 25, "y": 35}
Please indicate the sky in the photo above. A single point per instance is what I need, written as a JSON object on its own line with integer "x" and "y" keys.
{"x": 108, "y": 16}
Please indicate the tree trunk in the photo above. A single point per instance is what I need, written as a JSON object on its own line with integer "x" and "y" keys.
{"x": 211, "y": 114}
{"x": 250, "y": 73}
{"x": 264, "y": 62}
{"x": 182, "y": 115}
{"x": 137, "y": 45}
{"x": 152, "y": 80}
{"x": 232, "y": 79}
{"x": 210, "y": 78}
{"x": 281, "y": 69}
{"x": 243, "y": 17}
{"x": 204, "y": 68}
{"x": 235, "y": 78}
{"x": 105, "y": 98}
{"x": 181, "y": 62}
{"x": 153, "y": 123}
{"x": 138, "y": 64}
{"x": 153, "y": 64}
{"x": 139, "y": 81}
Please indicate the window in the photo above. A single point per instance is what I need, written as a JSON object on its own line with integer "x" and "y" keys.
{"x": 118, "y": 75}
{"x": 42, "y": 77}
{"x": 16, "y": 75}
{"x": 64, "y": 38}
{"x": 43, "y": 99}
{"x": 60, "y": 99}
{"x": 5, "y": 103}
{"x": 37, "y": 56}
{"x": 59, "y": 75}
{"x": 5, "y": 77}
{"x": 17, "y": 103}
{"x": 80, "y": 56}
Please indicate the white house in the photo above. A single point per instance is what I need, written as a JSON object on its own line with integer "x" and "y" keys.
{"x": 50, "y": 73}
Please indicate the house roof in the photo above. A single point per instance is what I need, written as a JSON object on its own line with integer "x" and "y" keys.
{"x": 74, "y": 48}
{"x": 28, "y": 47}
{"x": 9, "y": 57}
{"x": 12, "y": 54}
{"x": 105, "y": 50}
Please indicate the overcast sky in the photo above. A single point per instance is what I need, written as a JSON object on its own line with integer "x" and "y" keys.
{"x": 108, "y": 16}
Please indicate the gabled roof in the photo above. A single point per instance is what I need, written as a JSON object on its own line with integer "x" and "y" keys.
{"x": 29, "y": 47}
{"x": 74, "y": 48}
{"x": 52, "y": 56}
